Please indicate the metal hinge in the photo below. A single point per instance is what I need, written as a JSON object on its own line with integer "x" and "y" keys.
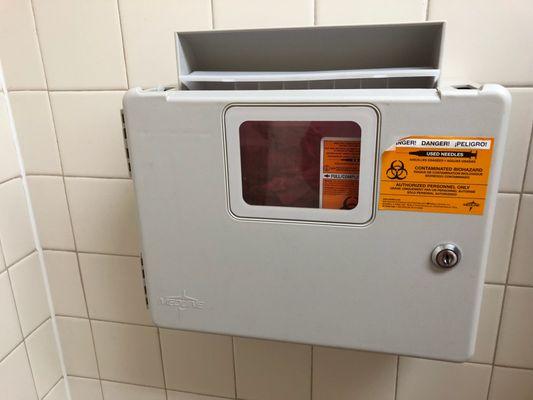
{"x": 144, "y": 283}
{"x": 125, "y": 135}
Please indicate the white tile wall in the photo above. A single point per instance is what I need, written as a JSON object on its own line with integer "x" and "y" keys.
{"x": 501, "y": 241}
{"x": 514, "y": 343}
{"x": 516, "y": 148}
{"x": 233, "y": 14}
{"x": 521, "y": 272}
{"x": 15, "y": 229}
{"x": 89, "y": 133}
{"x": 16, "y": 376}
{"x": 9, "y": 167}
{"x": 21, "y": 58}
{"x": 511, "y": 384}
{"x": 121, "y": 391}
{"x": 420, "y": 379}
{"x": 65, "y": 283}
{"x": 486, "y": 42}
{"x": 35, "y": 130}
{"x": 267, "y": 370}
{"x": 341, "y": 12}
{"x": 91, "y": 51}
{"x": 85, "y": 389}
{"x": 44, "y": 359}
{"x": 148, "y": 29}
{"x": 10, "y": 333}
{"x": 51, "y": 213}
{"x": 29, "y": 291}
{"x": 346, "y": 374}
{"x": 81, "y": 44}
{"x": 58, "y": 392}
{"x": 114, "y": 288}
{"x": 198, "y": 362}
{"x": 110, "y": 224}
{"x": 128, "y": 353}
{"x": 78, "y": 346}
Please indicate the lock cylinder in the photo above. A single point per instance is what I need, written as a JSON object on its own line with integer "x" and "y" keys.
{"x": 446, "y": 255}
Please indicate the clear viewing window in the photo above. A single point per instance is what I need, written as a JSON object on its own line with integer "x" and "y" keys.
{"x": 310, "y": 164}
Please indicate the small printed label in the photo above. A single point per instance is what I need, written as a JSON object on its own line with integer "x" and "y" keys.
{"x": 339, "y": 172}
{"x": 436, "y": 174}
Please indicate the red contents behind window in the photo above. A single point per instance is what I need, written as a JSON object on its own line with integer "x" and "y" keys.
{"x": 281, "y": 160}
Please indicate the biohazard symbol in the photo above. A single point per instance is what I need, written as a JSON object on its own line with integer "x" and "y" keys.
{"x": 397, "y": 170}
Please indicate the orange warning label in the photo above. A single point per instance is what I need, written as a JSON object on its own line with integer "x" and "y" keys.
{"x": 339, "y": 173}
{"x": 436, "y": 174}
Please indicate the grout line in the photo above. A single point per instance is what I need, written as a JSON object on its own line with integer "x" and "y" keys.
{"x": 312, "y": 369}
{"x": 34, "y": 231}
{"x": 31, "y": 368}
{"x": 123, "y": 46}
{"x": 112, "y": 321}
{"x": 10, "y": 179}
{"x": 32, "y": 331}
{"x": 314, "y": 13}
{"x": 508, "y": 366}
{"x": 90, "y": 252}
{"x": 397, "y": 376}
{"x": 52, "y": 388}
{"x": 234, "y": 365}
{"x": 427, "y": 10}
{"x": 162, "y": 361}
{"x": 20, "y": 259}
{"x": 119, "y": 178}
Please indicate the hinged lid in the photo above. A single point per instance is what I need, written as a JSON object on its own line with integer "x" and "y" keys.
{"x": 368, "y": 56}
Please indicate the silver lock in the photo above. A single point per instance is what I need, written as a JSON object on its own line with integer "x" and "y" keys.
{"x": 446, "y": 255}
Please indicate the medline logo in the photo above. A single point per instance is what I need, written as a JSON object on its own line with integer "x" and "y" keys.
{"x": 182, "y": 302}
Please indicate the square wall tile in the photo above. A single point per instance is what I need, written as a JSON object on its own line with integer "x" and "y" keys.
{"x": 35, "y": 131}
{"x": 81, "y": 44}
{"x": 105, "y": 276}
{"x": 10, "y": 335}
{"x": 50, "y": 208}
{"x": 511, "y": 384}
{"x": 519, "y": 135}
{"x": 338, "y": 12}
{"x": 420, "y": 379}
{"x": 58, "y": 392}
{"x": 65, "y": 283}
{"x": 30, "y": 294}
{"x": 198, "y": 362}
{"x": 489, "y": 320}
{"x": 9, "y": 166}
{"x": 172, "y": 395}
{"x": 85, "y": 389}
{"x": 515, "y": 348}
{"x": 16, "y": 378}
{"x": 260, "y": 14}
{"x": 104, "y": 215}
{"x": 128, "y": 353}
{"x": 347, "y": 374}
{"x": 21, "y": 58}
{"x": 522, "y": 260}
{"x": 486, "y": 43}
{"x": 501, "y": 240}
{"x": 44, "y": 359}
{"x": 272, "y": 370}
{"x": 89, "y": 133}
{"x": 122, "y": 391}
{"x": 15, "y": 229}
{"x": 148, "y": 29}
{"x": 78, "y": 346}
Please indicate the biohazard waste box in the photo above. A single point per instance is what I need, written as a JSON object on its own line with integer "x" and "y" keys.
{"x": 318, "y": 185}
